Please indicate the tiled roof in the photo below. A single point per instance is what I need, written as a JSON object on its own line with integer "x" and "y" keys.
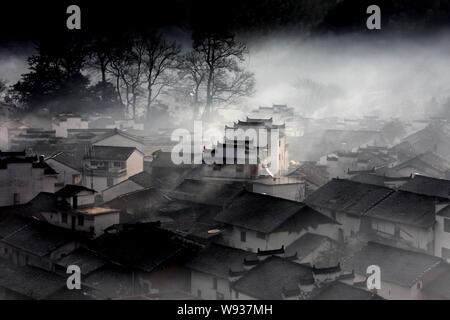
{"x": 348, "y": 196}
{"x": 398, "y": 266}
{"x": 266, "y": 214}
{"x": 30, "y": 282}
{"x": 271, "y": 277}
{"x": 111, "y": 153}
{"x": 337, "y": 290}
{"x": 428, "y": 186}
{"x": 217, "y": 260}
{"x": 406, "y": 208}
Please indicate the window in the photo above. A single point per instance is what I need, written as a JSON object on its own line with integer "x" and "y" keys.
{"x": 64, "y": 217}
{"x": 80, "y": 220}
{"x": 199, "y": 293}
{"x": 118, "y": 164}
{"x": 243, "y": 236}
{"x": 94, "y": 163}
{"x": 446, "y": 225}
{"x": 16, "y": 198}
{"x": 215, "y": 283}
{"x": 75, "y": 178}
{"x": 236, "y": 295}
{"x": 445, "y": 253}
{"x": 261, "y": 235}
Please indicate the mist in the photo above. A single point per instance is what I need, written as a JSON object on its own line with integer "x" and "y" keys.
{"x": 353, "y": 76}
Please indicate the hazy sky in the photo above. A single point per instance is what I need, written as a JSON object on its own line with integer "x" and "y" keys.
{"x": 352, "y": 77}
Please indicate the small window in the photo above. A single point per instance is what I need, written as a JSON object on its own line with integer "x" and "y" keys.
{"x": 199, "y": 293}
{"x": 64, "y": 217}
{"x": 215, "y": 283}
{"x": 261, "y": 235}
{"x": 236, "y": 295}
{"x": 243, "y": 236}
{"x": 118, "y": 164}
{"x": 447, "y": 225}
{"x": 94, "y": 163}
{"x": 445, "y": 253}
{"x": 16, "y": 198}
{"x": 75, "y": 178}
{"x": 81, "y": 220}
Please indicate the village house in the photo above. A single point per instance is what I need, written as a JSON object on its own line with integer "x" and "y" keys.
{"x": 25, "y": 241}
{"x": 274, "y": 278}
{"x": 207, "y": 191}
{"x": 385, "y": 215}
{"x": 312, "y": 174}
{"x": 213, "y": 270}
{"x": 252, "y": 155}
{"x": 405, "y": 220}
{"x": 261, "y": 222}
{"x": 346, "y": 201}
{"x": 428, "y": 186}
{"x": 118, "y": 138}
{"x": 439, "y": 288}
{"x": 22, "y": 177}
{"x": 65, "y": 121}
{"x": 404, "y": 273}
{"x": 139, "y": 181}
{"x": 314, "y": 249}
{"x": 8, "y": 130}
{"x": 69, "y": 168}
{"x": 106, "y": 166}
{"x": 433, "y": 138}
{"x": 277, "y": 278}
{"x": 31, "y": 283}
{"x": 442, "y": 234}
{"x": 428, "y": 164}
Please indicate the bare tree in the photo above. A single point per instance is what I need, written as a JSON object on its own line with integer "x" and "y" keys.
{"x": 193, "y": 72}
{"x": 128, "y": 67}
{"x": 160, "y": 61}
{"x": 226, "y": 80}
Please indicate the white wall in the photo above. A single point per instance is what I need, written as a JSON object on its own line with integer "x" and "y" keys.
{"x": 135, "y": 163}
{"x": 70, "y": 123}
{"x": 204, "y": 282}
{"x": 442, "y": 238}
{"x": 28, "y": 182}
{"x": 95, "y": 223}
{"x": 66, "y": 175}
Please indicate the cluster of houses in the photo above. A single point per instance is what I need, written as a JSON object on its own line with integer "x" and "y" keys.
{"x": 97, "y": 194}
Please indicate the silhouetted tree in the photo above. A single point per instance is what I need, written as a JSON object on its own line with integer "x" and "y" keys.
{"x": 160, "y": 60}
{"x": 193, "y": 73}
{"x": 55, "y": 75}
{"x": 226, "y": 79}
